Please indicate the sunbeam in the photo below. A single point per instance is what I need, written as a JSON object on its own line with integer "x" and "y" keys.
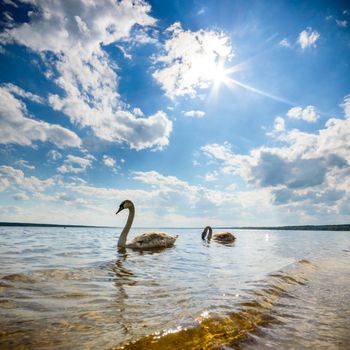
{"x": 260, "y": 92}
{"x": 220, "y": 75}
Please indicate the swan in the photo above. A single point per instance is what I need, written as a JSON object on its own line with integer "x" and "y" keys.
{"x": 149, "y": 240}
{"x": 222, "y": 237}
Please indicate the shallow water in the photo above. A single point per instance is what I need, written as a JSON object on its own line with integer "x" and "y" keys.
{"x": 71, "y": 288}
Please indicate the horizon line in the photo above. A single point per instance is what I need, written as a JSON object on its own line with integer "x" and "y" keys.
{"x": 286, "y": 227}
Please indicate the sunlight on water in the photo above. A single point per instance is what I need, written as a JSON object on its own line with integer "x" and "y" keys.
{"x": 272, "y": 289}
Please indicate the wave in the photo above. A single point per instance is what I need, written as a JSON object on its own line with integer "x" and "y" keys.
{"x": 217, "y": 331}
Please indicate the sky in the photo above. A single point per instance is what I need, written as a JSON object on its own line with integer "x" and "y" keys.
{"x": 222, "y": 113}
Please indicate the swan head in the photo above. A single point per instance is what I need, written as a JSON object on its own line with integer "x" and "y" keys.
{"x": 125, "y": 205}
{"x": 204, "y": 233}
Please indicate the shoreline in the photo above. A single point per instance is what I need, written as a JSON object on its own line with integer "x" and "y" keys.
{"x": 341, "y": 227}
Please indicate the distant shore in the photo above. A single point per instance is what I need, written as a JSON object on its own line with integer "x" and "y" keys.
{"x": 343, "y": 227}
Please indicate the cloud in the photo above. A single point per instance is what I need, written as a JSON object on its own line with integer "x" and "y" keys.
{"x": 197, "y": 114}
{"x": 284, "y": 43}
{"x": 302, "y": 165}
{"x": 83, "y": 70}
{"x": 346, "y": 106}
{"x": 201, "y": 11}
{"x": 279, "y": 124}
{"x": 173, "y": 192}
{"x": 211, "y": 176}
{"x": 342, "y": 24}
{"x": 9, "y": 210}
{"x": 273, "y": 170}
{"x": 308, "y": 114}
{"x": 285, "y": 196}
{"x": 10, "y": 2}
{"x": 54, "y": 155}
{"x": 20, "y": 196}
{"x": 99, "y": 22}
{"x": 109, "y": 161}
{"x": 24, "y": 164}
{"x": 233, "y": 163}
{"x": 16, "y": 90}
{"x": 140, "y": 133}
{"x": 73, "y": 164}
{"x": 190, "y": 60}
{"x": 15, "y": 177}
{"x": 17, "y": 128}
{"x": 308, "y": 38}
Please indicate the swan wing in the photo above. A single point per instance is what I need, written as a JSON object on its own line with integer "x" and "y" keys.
{"x": 151, "y": 240}
{"x": 224, "y": 237}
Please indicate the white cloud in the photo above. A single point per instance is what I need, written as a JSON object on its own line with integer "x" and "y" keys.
{"x": 10, "y": 2}
{"x": 308, "y": 38}
{"x": 201, "y": 11}
{"x": 167, "y": 199}
{"x": 74, "y": 164}
{"x": 99, "y": 22}
{"x": 126, "y": 54}
{"x": 308, "y": 114}
{"x": 211, "y": 176}
{"x": 197, "y": 114}
{"x": 142, "y": 36}
{"x": 54, "y": 155}
{"x": 84, "y": 70}
{"x": 279, "y": 124}
{"x": 9, "y": 210}
{"x": 190, "y": 60}
{"x": 15, "y": 177}
{"x": 82, "y": 26}
{"x": 109, "y": 161}
{"x": 20, "y": 196}
{"x": 233, "y": 163}
{"x": 307, "y": 169}
{"x": 285, "y": 43}
{"x": 346, "y": 106}
{"x": 24, "y": 164}
{"x": 174, "y": 198}
{"x": 342, "y": 24}
{"x": 17, "y": 128}
{"x": 16, "y": 90}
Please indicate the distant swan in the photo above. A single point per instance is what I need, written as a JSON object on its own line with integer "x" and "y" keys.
{"x": 222, "y": 237}
{"x": 150, "y": 240}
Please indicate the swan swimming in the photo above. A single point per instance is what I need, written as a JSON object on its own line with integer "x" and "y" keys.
{"x": 149, "y": 240}
{"x": 222, "y": 237}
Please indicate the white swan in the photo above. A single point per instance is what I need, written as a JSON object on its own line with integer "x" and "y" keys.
{"x": 222, "y": 237}
{"x": 150, "y": 240}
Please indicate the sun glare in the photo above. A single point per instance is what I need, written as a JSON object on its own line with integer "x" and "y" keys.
{"x": 219, "y": 74}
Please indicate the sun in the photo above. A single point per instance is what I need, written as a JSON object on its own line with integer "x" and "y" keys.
{"x": 218, "y": 74}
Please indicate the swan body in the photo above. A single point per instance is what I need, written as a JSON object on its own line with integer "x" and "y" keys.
{"x": 222, "y": 237}
{"x": 149, "y": 240}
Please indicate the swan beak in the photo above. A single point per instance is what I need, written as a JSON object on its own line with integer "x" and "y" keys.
{"x": 120, "y": 209}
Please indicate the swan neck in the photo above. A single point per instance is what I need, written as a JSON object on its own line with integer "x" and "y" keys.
{"x": 210, "y": 232}
{"x": 126, "y": 229}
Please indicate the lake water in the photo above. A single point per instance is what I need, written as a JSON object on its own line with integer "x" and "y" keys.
{"x": 72, "y": 289}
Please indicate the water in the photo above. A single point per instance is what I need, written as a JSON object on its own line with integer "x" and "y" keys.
{"x": 71, "y": 288}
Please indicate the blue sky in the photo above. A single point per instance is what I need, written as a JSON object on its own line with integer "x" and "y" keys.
{"x": 201, "y": 112}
